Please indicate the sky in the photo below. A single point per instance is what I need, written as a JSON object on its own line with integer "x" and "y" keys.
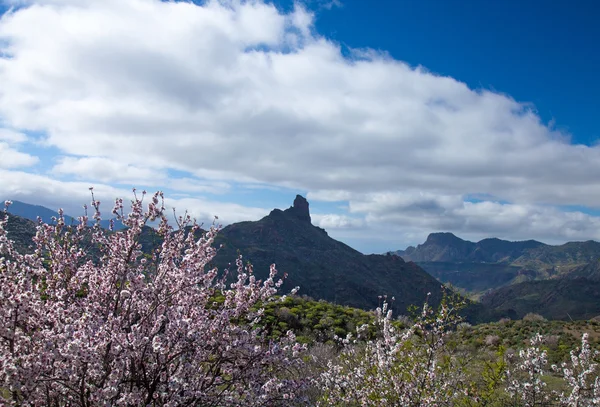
{"x": 394, "y": 118}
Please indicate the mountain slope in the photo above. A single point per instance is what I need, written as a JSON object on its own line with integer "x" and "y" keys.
{"x": 21, "y": 231}
{"x": 476, "y": 277}
{"x": 324, "y": 268}
{"x": 32, "y": 212}
{"x": 590, "y": 271}
{"x": 564, "y": 299}
{"x": 565, "y": 256}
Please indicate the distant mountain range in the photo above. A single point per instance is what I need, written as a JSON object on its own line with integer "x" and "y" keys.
{"x": 446, "y": 247}
{"x": 530, "y": 259}
{"x": 32, "y": 212}
{"x": 516, "y": 277}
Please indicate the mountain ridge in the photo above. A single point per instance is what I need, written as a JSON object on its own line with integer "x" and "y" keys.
{"x": 515, "y": 278}
{"x": 33, "y": 211}
{"x": 445, "y": 246}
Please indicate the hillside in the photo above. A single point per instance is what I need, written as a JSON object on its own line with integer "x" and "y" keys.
{"x": 564, "y": 299}
{"x": 32, "y": 212}
{"x": 21, "y": 231}
{"x": 476, "y": 277}
{"x": 590, "y": 271}
{"x": 560, "y": 259}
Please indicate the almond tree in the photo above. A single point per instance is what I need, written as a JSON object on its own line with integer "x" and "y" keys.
{"x": 525, "y": 379}
{"x": 413, "y": 367}
{"x": 124, "y": 328}
{"x": 581, "y": 376}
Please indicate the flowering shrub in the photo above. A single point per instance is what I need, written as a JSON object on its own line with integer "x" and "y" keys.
{"x": 410, "y": 367}
{"x": 121, "y": 328}
{"x": 581, "y": 377}
{"x": 525, "y": 383}
{"x": 422, "y": 366}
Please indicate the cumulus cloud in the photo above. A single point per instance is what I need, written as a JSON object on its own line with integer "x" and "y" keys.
{"x": 10, "y": 156}
{"x": 107, "y": 170}
{"x": 334, "y": 221}
{"x": 110, "y": 171}
{"x": 11, "y": 136}
{"x": 242, "y": 92}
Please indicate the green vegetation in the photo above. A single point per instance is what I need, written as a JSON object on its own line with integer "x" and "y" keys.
{"x": 21, "y": 231}
{"x": 560, "y": 336}
{"x": 320, "y": 321}
{"x": 564, "y": 299}
{"x": 314, "y": 321}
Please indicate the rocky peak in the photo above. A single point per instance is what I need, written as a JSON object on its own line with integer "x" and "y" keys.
{"x": 300, "y": 209}
{"x": 443, "y": 238}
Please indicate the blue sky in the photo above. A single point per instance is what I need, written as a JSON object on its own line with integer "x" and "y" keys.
{"x": 543, "y": 52}
{"x": 394, "y": 118}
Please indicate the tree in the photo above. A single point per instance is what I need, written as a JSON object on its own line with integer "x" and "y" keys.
{"x": 412, "y": 367}
{"x": 124, "y": 328}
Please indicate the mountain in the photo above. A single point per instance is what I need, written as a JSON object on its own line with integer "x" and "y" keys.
{"x": 21, "y": 231}
{"x": 494, "y": 263}
{"x": 439, "y": 247}
{"x": 565, "y": 298}
{"x": 560, "y": 258}
{"x": 476, "y": 278}
{"x": 447, "y": 247}
{"x": 32, "y": 212}
{"x": 324, "y": 268}
{"x": 590, "y": 271}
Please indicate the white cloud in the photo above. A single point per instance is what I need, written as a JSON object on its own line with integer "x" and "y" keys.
{"x": 413, "y": 216}
{"x": 329, "y": 4}
{"x": 11, "y": 158}
{"x": 334, "y": 221}
{"x": 329, "y": 195}
{"x": 240, "y": 92}
{"x": 11, "y": 136}
{"x": 107, "y": 170}
{"x": 205, "y": 210}
{"x": 190, "y": 185}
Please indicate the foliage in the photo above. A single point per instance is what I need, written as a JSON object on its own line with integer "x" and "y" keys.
{"x": 409, "y": 367}
{"x": 427, "y": 364}
{"x": 314, "y": 321}
{"x": 127, "y": 329}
